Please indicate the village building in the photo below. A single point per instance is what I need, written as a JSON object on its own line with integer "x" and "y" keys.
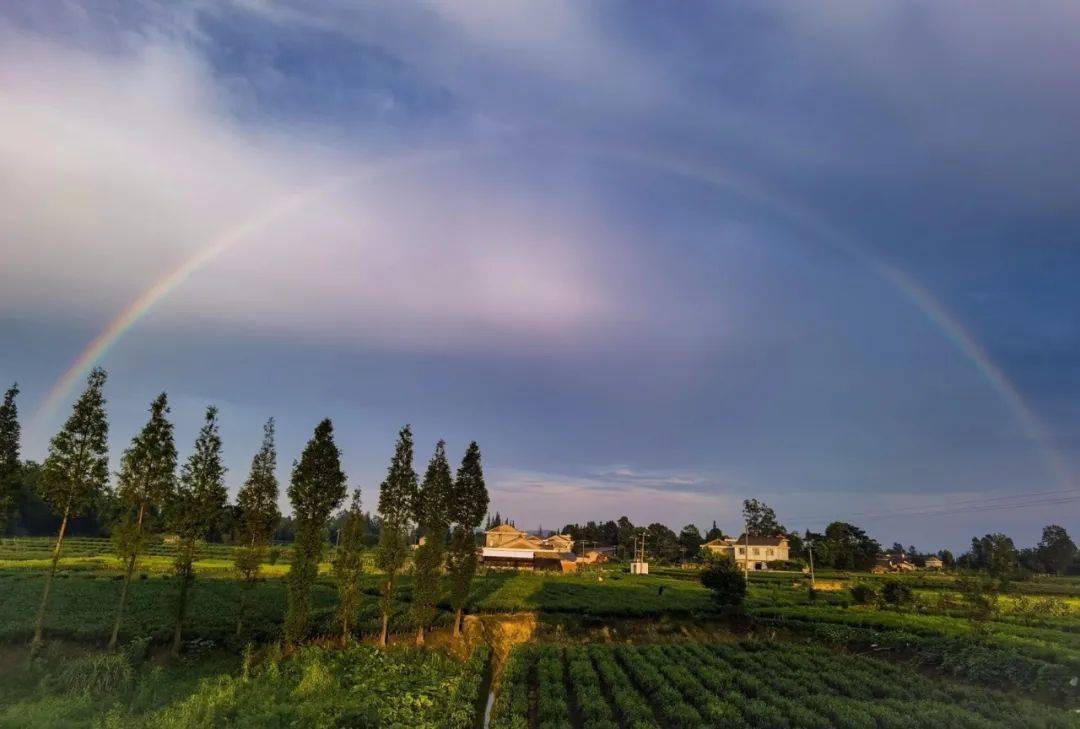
{"x": 934, "y": 562}
{"x": 507, "y": 547}
{"x": 893, "y": 563}
{"x": 754, "y": 552}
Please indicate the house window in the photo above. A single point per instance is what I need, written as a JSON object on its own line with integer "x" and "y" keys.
{"x": 768, "y": 552}
{"x": 756, "y": 551}
{"x": 742, "y": 551}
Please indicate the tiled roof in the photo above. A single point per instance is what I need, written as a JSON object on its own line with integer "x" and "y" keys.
{"x": 760, "y": 541}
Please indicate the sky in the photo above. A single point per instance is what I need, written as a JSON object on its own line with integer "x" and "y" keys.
{"x": 654, "y": 258}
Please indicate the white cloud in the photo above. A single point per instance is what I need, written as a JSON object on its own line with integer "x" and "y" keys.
{"x": 117, "y": 168}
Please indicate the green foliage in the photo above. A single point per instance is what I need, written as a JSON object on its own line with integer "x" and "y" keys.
{"x": 396, "y": 495}
{"x": 662, "y": 543}
{"x": 316, "y": 687}
{"x": 145, "y": 484}
{"x": 75, "y": 471}
{"x": 431, "y": 510}
{"x": 200, "y": 496}
{"x": 1056, "y": 551}
{"x": 511, "y": 708}
{"x": 863, "y": 593}
{"x": 750, "y": 684}
{"x": 349, "y": 567}
{"x": 994, "y": 554}
{"x": 726, "y": 581}
{"x": 896, "y": 592}
{"x": 96, "y": 674}
{"x": 194, "y": 509}
{"x": 760, "y": 519}
{"x": 552, "y": 707}
{"x": 148, "y": 467}
{"x": 316, "y": 489}
{"x": 981, "y": 598}
{"x": 9, "y": 454}
{"x": 469, "y": 501}
{"x": 257, "y": 503}
{"x": 466, "y": 701}
{"x": 690, "y": 540}
{"x": 844, "y": 546}
{"x": 468, "y": 504}
{"x": 77, "y": 467}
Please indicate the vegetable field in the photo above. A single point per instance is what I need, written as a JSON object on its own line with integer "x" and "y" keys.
{"x": 751, "y": 684}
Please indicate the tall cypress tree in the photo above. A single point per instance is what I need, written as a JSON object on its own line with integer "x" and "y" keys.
{"x": 196, "y": 507}
{"x": 396, "y": 495}
{"x": 75, "y": 471}
{"x": 468, "y": 505}
{"x": 349, "y": 566}
{"x": 9, "y": 454}
{"x": 146, "y": 482}
{"x": 259, "y": 516}
{"x": 317, "y": 488}
{"x": 431, "y": 512}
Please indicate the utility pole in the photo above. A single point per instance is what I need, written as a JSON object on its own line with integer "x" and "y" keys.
{"x": 810, "y": 551}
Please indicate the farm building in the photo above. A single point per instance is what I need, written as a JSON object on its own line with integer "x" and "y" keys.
{"x": 762, "y": 550}
{"x": 934, "y": 563}
{"x": 507, "y": 547}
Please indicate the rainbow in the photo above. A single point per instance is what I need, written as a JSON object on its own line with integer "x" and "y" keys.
{"x": 203, "y": 256}
{"x": 145, "y": 301}
{"x": 951, "y": 328}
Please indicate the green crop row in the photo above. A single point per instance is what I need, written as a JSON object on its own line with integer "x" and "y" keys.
{"x": 747, "y": 685}
{"x": 511, "y": 709}
{"x": 587, "y": 690}
{"x": 627, "y": 703}
{"x": 461, "y": 713}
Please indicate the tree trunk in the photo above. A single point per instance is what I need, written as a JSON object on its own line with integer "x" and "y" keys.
{"x": 249, "y": 584}
{"x": 39, "y": 625}
{"x": 386, "y": 611}
{"x": 420, "y": 635}
{"x": 457, "y": 622}
{"x": 127, "y": 578}
{"x": 181, "y": 608}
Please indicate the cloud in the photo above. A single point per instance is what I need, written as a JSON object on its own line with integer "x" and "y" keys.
{"x": 601, "y": 494}
{"x": 120, "y": 166}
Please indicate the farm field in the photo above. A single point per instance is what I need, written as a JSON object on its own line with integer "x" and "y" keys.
{"x": 751, "y": 684}
{"x": 593, "y": 629}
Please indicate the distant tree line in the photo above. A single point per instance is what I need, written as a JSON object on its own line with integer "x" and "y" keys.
{"x": 70, "y": 492}
{"x": 840, "y": 545}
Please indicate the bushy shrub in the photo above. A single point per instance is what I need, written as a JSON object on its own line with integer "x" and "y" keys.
{"x": 727, "y": 583}
{"x": 896, "y": 592}
{"x": 863, "y": 593}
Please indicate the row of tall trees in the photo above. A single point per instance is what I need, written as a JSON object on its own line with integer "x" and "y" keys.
{"x": 447, "y": 511}
{"x": 152, "y": 497}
